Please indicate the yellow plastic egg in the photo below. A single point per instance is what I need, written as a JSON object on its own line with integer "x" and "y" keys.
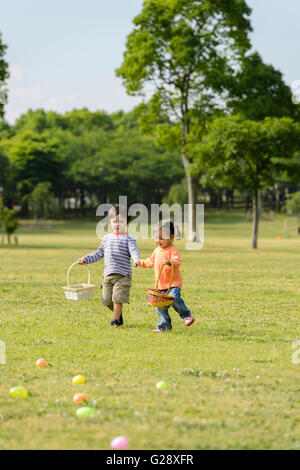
{"x": 79, "y": 379}
{"x": 18, "y": 392}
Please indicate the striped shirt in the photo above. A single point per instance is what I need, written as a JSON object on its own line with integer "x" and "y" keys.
{"x": 116, "y": 249}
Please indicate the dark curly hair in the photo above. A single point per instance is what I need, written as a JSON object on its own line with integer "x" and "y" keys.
{"x": 169, "y": 227}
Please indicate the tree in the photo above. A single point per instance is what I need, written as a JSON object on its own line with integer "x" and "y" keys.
{"x": 4, "y": 164}
{"x": 4, "y": 168}
{"x": 257, "y": 90}
{"x": 176, "y": 46}
{"x": 8, "y": 219}
{"x": 80, "y": 121}
{"x": 177, "y": 194}
{"x": 3, "y": 76}
{"x": 293, "y": 204}
{"x": 91, "y": 157}
{"x": 36, "y": 158}
{"x": 130, "y": 163}
{"x": 41, "y": 201}
{"x": 246, "y": 154}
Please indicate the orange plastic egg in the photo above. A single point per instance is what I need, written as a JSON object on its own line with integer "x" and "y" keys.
{"x": 80, "y": 397}
{"x": 41, "y": 363}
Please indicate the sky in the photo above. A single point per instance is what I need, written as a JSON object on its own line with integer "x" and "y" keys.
{"x": 63, "y": 54}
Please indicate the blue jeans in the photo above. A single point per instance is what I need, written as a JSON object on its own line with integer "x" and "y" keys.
{"x": 164, "y": 320}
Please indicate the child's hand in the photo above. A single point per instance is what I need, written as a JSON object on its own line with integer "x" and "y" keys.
{"x": 168, "y": 262}
{"x": 81, "y": 261}
{"x": 137, "y": 263}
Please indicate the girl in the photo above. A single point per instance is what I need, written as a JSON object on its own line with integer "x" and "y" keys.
{"x": 116, "y": 248}
{"x": 167, "y": 254}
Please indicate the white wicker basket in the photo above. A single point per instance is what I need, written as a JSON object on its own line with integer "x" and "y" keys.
{"x": 79, "y": 291}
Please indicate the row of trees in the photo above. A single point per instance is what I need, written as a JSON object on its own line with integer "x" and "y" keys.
{"x": 82, "y": 155}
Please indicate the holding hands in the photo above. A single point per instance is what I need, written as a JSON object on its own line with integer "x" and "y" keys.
{"x": 138, "y": 262}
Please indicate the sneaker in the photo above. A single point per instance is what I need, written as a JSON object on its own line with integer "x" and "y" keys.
{"x": 157, "y": 330}
{"x": 189, "y": 320}
{"x": 116, "y": 323}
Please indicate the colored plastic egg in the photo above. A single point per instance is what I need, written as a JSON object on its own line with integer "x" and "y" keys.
{"x": 18, "y": 392}
{"x": 41, "y": 363}
{"x": 79, "y": 379}
{"x": 80, "y": 397}
{"x": 161, "y": 385}
{"x": 120, "y": 442}
{"x": 85, "y": 412}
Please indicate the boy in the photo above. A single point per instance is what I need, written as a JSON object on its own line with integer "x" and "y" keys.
{"x": 116, "y": 248}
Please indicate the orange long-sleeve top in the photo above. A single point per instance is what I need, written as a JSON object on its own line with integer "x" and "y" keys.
{"x": 157, "y": 260}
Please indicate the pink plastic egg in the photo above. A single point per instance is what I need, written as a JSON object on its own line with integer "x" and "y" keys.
{"x": 120, "y": 442}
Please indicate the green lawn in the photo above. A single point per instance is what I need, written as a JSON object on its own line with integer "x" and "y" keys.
{"x": 232, "y": 383}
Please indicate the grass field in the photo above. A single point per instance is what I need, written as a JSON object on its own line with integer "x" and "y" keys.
{"x": 232, "y": 383}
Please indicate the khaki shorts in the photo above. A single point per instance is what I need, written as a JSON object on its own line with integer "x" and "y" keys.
{"x": 115, "y": 288}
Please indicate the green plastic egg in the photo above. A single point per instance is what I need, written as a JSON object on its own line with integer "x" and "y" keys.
{"x": 161, "y": 385}
{"x": 85, "y": 412}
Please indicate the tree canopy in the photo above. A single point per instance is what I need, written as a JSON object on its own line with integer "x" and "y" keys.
{"x": 91, "y": 157}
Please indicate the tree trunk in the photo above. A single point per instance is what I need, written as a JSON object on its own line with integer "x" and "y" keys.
{"x": 260, "y": 204}
{"x": 82, "y": 201}
{"x": 277, "y": 197}
{"x": 227, "y": 193}
{"x": 255, "y": 218}
{"x": 192, "y": 181}
{"x": 220, "y": 199}
{"x": 212, "y": 198}
{"x": 230, "y": 196}
{"x": 247, "y": 203}
{"x": 61, "y": 205}
{"x": 232, "y": 199}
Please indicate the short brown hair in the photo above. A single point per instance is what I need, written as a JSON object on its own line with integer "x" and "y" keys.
{"x": 116, "y": 210}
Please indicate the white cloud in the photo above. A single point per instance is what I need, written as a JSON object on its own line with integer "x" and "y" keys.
{"x": 23, "y": 94}
{"x": 15, "y": 73}
{"x": 32, "y": 93}
{"x": 61, "y": 105}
